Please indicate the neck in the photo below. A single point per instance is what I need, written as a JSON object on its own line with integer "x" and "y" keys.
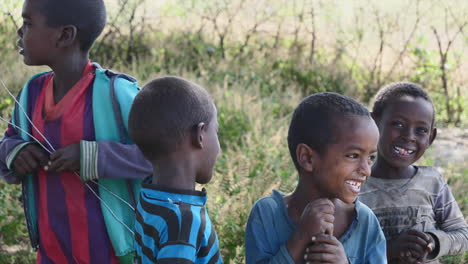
{"x": 302, "y": 195}
{"x": 382, "y": 169}
{"x": 174, "y": 173}
{"x": 68, "y": 71}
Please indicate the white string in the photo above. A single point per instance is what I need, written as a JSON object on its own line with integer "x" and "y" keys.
{"x": 22, "y": 130}
{"x": 108, "y": 208}
{"x": 45, "y": 139}
{"x": 25, "y": 114}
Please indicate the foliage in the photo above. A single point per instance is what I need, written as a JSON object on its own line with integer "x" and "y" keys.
{"x": 257, "y": 62}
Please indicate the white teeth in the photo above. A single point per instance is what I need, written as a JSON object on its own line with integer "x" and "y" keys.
{"x": 354, "y": 183}
{"x": 402, "y": 151}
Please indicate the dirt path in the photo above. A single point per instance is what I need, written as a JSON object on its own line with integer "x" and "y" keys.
{"x": 450, "y": 146}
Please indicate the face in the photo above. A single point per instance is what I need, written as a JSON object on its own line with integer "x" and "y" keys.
{"x": 36, "y": 38}
{"x": 346, "y": 163}
{"x": 406, "y": 131}
{"x": 210, "y": 150}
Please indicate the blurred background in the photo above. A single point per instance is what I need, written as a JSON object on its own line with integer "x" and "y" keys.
{"x": 258, "y": 58}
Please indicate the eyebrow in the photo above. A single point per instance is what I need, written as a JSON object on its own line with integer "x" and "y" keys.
{"x": 355, "y": 147}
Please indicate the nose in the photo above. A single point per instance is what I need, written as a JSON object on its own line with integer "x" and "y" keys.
{"x": 20, "y": 32}
{"x": 365, "y": 168}
{"x": 408, "y": 134}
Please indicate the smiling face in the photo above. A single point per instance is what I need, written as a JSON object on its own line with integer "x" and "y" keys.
{"x": 406, "y": 130}
{"x": 346, "y": 163}
{"x": 37, "y": 39}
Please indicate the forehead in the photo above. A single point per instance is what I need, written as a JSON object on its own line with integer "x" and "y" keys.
{"x": 31, "y": 7}
{"x": 356, "y": 131}
{"x": 408, "y": 107}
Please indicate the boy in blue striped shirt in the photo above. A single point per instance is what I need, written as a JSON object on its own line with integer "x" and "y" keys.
{"x": 173, "y": 122}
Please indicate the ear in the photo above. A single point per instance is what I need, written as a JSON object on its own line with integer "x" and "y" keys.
{"x": 306, "y": 157}
{"x": 433, "y": 135}
{"x": 198, "y": 135}
{"x": 67, "y": 36}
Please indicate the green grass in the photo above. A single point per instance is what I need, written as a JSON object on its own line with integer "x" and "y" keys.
{"x": 255, "y": 93}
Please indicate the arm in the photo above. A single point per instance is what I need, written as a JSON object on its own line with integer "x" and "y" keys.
{"x": 109, "y": 159}
{"x": 10, "y": 145}
{"x": 452, "y": 236}
{"x": 257, "y": 243}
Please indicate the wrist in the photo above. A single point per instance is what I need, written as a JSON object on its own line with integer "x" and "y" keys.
{"x": 296, "y": 245}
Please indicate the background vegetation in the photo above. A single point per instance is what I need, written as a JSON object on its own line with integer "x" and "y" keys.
{"x": 258, "y": 59}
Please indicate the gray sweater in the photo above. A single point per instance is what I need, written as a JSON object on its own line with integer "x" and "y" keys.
{"x": 424, "y": 203}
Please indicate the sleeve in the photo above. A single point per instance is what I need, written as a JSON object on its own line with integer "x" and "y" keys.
{"x": 110, "y": 159}
{"x": 452, "y": 232}
{"x": 377, "y": 252}
{"x": 10, "y": 145}
{"x": 376, "y": 244}
{"x": 256, "y": 242}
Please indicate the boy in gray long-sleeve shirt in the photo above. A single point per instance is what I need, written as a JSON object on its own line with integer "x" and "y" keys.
{"x": 416, "y": 209}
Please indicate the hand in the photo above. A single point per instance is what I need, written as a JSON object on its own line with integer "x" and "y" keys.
{"x": 65, "y": 159}
{"x": 411, "y": 246}
{"x": 325, "y": 249}
{"x": 29, "y": 159}
{"x": 317, "y": 218}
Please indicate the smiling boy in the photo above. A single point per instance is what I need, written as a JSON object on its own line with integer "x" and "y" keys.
{"x": 332, "y": 141}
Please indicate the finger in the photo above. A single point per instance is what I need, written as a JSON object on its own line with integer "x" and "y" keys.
{"x": 329, "y": 218}
{"x": 319, "y": 257}
{"x": 39, "y": 155}
{"x": 419, "y": 234}
{"x": 56, "y": 155}
{"x": 20, "y": 167}
{"x": 54, "y": 165}
{"x": 27, "y": 161}
{"x": 327, "y": 239}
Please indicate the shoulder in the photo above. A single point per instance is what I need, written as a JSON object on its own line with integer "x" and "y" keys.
{"x": 368, "y": 222}
{"x": 365, "y": 214}
{"x": 269, "y": 205}
{"x": 430, "y": 179}
{"x": 117, "y": 80}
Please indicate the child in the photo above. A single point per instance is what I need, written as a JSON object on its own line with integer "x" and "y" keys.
{"x": 332, "y": 141}
{"x": 419, "y": 216}
{"x": 78, "y": 201}
{"x": 174, "y": 123}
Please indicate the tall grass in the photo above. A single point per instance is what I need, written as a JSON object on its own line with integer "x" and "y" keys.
{"x": 255, "y": 84}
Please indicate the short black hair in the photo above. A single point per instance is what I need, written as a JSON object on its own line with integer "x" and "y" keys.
{"x": 88, "y": 16}
{"x": 164, "y": 112}
{"x": 314, "y": 120}
{"x": 398, "y": 90}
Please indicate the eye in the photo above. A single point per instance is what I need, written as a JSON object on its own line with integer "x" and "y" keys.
{"x": 396, "y": 124}
{"x": 352, "y": 156}
{"x": 372, "y": 158}
{"x": 422, "y": 130}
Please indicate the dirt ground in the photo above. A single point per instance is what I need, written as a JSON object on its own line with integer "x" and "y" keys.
{"x": 450, "y": 146}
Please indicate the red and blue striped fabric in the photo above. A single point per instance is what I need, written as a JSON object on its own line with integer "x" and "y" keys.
{"x": 71, "y": 225}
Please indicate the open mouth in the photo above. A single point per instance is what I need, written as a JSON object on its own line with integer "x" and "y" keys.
{"x": 403, "y": 151}
{"x": 354, "y": 185}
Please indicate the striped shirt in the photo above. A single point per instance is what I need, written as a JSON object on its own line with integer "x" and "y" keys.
{"x": 424, "y": 203}
{"x": 71, "y": 225}
{"x": 173, "y": 226}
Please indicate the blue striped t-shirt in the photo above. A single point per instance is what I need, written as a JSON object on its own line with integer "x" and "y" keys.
{"x": 173, "y": 226}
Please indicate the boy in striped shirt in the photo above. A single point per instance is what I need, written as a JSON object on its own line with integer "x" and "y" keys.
{"x": 173, "y": 122}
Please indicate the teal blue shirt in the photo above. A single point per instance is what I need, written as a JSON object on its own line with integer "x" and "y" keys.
{"x": 269, "y": 227}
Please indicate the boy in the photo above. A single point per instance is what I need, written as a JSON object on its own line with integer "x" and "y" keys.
{"x": 332, "y": 141}
{"x": 79, "y": 111}
{"x": 174, "y": 123}
{"x": 419, "y": 216}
